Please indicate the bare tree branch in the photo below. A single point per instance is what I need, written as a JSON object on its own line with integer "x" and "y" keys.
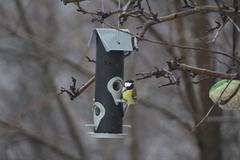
{"x": 174, "y": 64}
{"x": 184, "y": 67}
{"x": 235, "y": 25}
{"x": 217, "y": 33}
{"x": 200, "y": 9}
{"x": 74, "y": 92}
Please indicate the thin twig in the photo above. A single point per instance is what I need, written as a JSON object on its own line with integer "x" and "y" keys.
{"x": 218, "y": 31}
{"x": 90, "y": 60}
{"x": 186, "y": 5}
{"x": 238, "y": 29}
{"x": 23, "y": 114}
{"x": 73, "y": 92}
{"x": 202, "y": 79}
{"x": 222, "y": 14}
{"x": 214, "y": 28}
{"x": 123, "y": 16}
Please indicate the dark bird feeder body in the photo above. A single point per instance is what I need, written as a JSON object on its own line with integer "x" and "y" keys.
{"x": 107, "y": 110}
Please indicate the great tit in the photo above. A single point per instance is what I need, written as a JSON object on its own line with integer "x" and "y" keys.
{"x": 129, "y": 94}
{"x": 230, "y": 99}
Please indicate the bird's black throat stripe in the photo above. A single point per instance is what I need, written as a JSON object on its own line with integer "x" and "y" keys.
{"x": 223, "y": 102}
{"x": 124, "y": 90}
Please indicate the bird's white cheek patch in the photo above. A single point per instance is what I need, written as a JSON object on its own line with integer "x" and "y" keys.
{"x": 128, "y": 84}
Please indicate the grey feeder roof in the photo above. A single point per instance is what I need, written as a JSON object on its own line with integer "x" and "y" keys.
{"x": 112, "y": 39}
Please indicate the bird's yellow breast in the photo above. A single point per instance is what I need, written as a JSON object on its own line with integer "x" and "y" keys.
{"x": 127, "y": 95}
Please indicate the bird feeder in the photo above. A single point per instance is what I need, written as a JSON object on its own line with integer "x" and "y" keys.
{"x": 107, "y": 108}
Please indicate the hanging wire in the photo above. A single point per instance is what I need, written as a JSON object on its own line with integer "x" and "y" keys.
{"x": 118, "y": 13}
{"x": 118, "y": 36}
{"x": 103, "y": 11}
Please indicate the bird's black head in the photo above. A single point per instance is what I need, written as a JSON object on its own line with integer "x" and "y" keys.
{"x": 129, "y": 84}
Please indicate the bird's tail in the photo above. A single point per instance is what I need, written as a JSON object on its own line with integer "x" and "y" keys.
{"x": 125, "y": 108}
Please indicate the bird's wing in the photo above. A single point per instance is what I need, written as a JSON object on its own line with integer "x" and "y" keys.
{"x": 134, "y": 95}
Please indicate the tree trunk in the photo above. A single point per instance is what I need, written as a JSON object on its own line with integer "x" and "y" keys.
{"x": 207, "y": 134}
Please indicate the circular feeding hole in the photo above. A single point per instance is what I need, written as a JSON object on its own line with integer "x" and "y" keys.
{"x": 117, "y": 85}
{"x": 97, "y": 110}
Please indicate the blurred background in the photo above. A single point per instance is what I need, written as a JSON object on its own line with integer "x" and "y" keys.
{"x": 44, "y": 43}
